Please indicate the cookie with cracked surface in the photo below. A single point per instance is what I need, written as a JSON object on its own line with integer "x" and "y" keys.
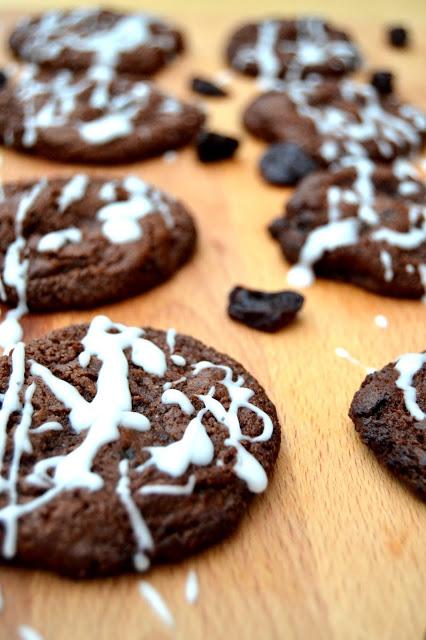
{"x": 136, "y": 43}
{"x": 362, "y": 223}
{"x": 292, "y": 49}
{"x": 331, "y": 120}
{"x": 389, "y": 414}
{"x": 95, "y": 117}
{"x": 81, "y": 242}
{"x": 124, "y": 447}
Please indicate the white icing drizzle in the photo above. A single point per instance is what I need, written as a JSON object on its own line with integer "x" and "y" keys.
{"x": 157, "y": 602}
{"x": 381, "y": 321}
{"x": 28, "y": 633}
{"x": 55, "y": 240}
{"x": 169, "y": 489}
{"x": 345, "y": 231}
{"x": 386, "y": 260}
{"x": 408, "y": 365}
{"x": 141, "y": 532}
{"x": 191, "y": 587}
{"x": 56, "y": 103}
{"x": 73, "y": 191}
{"x": 195, "y": 447}
{"x": 311, "y": 47}
{"x": 121, "y": 219}
{"x": 174, "y": 396}
{"x": 343, "y": 134}
{"x": 57, "y": 30}
{"x": 100, "y": 420}
{"x": 345, "y": 355}
{"x": 15, "y": 272}
{"x": 177, "y": 359}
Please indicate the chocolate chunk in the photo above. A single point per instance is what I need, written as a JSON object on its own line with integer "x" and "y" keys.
{"x": 285, "y": 163}
{"x": 207, "y": 88}
{"x": 213, "y": 147}
{"x": 398, "y": 37}
{"x": 382, "y": 81}
{"x": 262, "y": 310}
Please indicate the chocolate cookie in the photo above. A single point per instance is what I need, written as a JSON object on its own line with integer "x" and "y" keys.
{"x": 362, "y": 223}
{"x": 330, "y": 120}
{"x": 78, "y": 39}
{"x": 82, "y": 242}
{"x": 292, "y": 49}
{"x": 389, "y": 413}
{"x": 92, "y": 117}
{"x": 122, "y": 447}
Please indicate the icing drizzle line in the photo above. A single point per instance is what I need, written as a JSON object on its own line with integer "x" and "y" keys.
{"x": 408, "y": 365}
{"x": 100, "y": 421}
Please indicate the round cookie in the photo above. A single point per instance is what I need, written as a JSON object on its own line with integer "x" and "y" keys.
{"x": 123, "y": 447}
{"x": 330, "y": 120}
{"x": 137, "y": 43}
{"x": 95, "y": 117}
{"x": 389, "y": 413}
{"x": 362, "y": 223}
{"x": 292, "y": 49}
{"x": 81, "y": 242}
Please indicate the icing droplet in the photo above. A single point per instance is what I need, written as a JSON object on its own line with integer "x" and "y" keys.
{"x": 28, "y": 633}
{"x": 191, "y": 587}
{"x": 381, "y": 321}
{"x": 343, "y": 353}
{"x": 156, "y": 601}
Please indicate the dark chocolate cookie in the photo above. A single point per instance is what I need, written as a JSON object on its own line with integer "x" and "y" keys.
{"x": 389, "y": 413}
{"x": 330, "y": 120}
{"x": 363, "y": 223}
{"x": 122, "y": 447}
{"x": 78, "y": 39}
{"x": 292, "y": 49}
{"x": 82, "y": 242}
{"x": 92, "y": 117}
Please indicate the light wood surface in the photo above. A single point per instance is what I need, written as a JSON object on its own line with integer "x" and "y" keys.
{"x": 336, "y": 548}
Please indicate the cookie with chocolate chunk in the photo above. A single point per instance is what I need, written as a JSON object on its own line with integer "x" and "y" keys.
{"x": 81, "y": 242}
{"x": 389, "y": 414}
{"x": 292, "y": 49}
{"x": 77, "y": 39}
{"x": 361, "y": 223}
{"x": 126, "y": 447}
{"x": 95, "y": 117}
{"x": 330, "y": 120}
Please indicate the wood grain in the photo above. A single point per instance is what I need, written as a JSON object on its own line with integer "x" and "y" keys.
{"x": 336, "y": 548}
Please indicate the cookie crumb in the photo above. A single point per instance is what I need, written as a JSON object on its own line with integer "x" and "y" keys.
{"x": 262, "y": 310}
{"x": 398, "y": 37}
{"x": 207, "y": 88}
{"x": 285, "y": 163}
{"x": 382, "y": 81}
{"x": 214, "y": 147}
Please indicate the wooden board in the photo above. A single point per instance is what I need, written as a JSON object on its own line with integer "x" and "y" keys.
{"x": 336, "y": 548}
